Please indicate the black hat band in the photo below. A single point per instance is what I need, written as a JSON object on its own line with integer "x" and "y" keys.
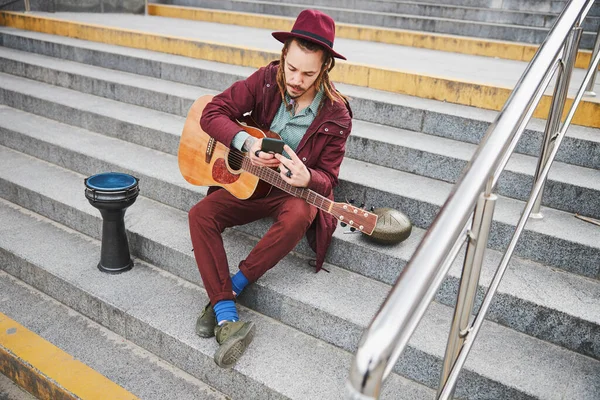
{"x": 314, "y": 36}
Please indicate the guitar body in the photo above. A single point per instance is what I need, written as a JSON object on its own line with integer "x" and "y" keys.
{"x": 203, "y": 161}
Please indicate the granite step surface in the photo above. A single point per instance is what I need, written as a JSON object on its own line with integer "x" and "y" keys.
{"x": 575, "y": 324}
{"x": 570, "y": 188}
{"x": 101, "y": 6}
{"x": 415, "y": 18}
{"x": 580, "y": 147}
{"x": 545, "y": 6}
{"x": 171, "y": 253}
{"x": 431, "y": 63}
{"x": 120, "y": 360}
{"x": 157, "y": 311}
{"x": 393, "y": 9}
{"x": 426, "y": 195}
{"x": 298, "y": 297}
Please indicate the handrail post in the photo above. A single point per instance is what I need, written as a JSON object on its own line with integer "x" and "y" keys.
{"x": 27, "y": 6}
{"x": 589, "y": 89}
{"x": 469, "y": 281}
{"x": 556, "y": 109}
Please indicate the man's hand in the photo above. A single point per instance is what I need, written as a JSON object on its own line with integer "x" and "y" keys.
{"x": 293, "y": 171}
{"x": 261, "y": 158}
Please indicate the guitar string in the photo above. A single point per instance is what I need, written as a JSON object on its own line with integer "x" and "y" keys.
{"x": 269, "y": 174}
{"x": 237, "y": 156}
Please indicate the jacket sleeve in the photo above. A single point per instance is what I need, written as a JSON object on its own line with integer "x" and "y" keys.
{"x": 219, "y": 115}
{"x": 324, "y": 175}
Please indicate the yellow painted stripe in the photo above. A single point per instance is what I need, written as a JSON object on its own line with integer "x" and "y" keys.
{"x": 434, "y": 41}
{"x": 431, "y": 87}
{"x": 48, "y": 372}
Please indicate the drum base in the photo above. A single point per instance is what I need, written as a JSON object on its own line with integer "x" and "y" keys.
{"x": 115, "y": 271}
{"x": 114, "y": 255}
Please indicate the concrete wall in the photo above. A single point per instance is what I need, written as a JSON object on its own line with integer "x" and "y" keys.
{"x": 101, "y": 6}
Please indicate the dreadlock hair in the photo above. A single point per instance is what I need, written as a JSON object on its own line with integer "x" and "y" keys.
{"x": 322, "y": 80}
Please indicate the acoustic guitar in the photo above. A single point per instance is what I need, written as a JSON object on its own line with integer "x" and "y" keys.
{"x": 203, "y": 161}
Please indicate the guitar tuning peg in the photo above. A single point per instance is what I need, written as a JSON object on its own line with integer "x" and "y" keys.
{"x": 343, "y": 224}
{"x": 351, "y": 201}
{"x": 372, "y": 208}
{"x": 352, "y": 229}
{"x": 362, "y": 205}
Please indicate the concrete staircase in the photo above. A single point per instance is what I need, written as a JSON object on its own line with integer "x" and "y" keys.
{"x": 95, "y": 6}
{"x": 71, "y": 108}
{"x": 517, "y": 21}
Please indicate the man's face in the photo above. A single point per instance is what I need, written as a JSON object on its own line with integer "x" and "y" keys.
{"x": 301, "y": 70}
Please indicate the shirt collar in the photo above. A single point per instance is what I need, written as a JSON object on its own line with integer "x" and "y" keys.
{"x": 314, "y": 106}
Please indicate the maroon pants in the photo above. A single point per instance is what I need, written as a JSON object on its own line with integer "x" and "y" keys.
{"x": 220, "y": 210}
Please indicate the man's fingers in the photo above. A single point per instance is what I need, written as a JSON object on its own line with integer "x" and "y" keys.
{"x": 293, "y": 155}
{"x": 264, "y": 159}
{"x": 284, "y": 160}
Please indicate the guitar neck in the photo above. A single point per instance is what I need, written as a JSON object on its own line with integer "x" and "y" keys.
{"x": 272, "y": 177}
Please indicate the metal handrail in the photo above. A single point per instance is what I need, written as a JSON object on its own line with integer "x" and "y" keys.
{"x": 487, "y": 301}
{"x": 386, "y": 337}
{"x": 589, "y": 90}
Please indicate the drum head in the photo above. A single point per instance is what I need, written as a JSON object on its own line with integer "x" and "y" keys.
{"x": 111, "y": 181}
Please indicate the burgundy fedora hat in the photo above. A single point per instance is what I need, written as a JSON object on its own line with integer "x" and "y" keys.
{"x": 315, "y": 26}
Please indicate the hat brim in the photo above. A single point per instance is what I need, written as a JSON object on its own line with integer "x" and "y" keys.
{"x": 283, "y": 36}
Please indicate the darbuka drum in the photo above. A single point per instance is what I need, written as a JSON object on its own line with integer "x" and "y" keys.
{"x": 112, "y": 193}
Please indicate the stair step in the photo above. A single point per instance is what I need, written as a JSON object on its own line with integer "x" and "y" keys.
{"x": 427, "y": 40}
{"x": 165, "y": 184}
{"x": 134, "y": 127}
{"x": 551, "y": 6}
{"x": 569, "y": 188}
{"x": 293, "y": 284}
{"x": 357, "y": 178}
{"x": 440, "y": 10}
{"x": 460, "y": 67}
{"x": 126, "y": 364}
{"x": 516, "y": 26}
{"x": 157, "y": 311}
{"x": 580, "y": 147}
{"x": 377, "y": 185}
{"x": 437, "y": 79}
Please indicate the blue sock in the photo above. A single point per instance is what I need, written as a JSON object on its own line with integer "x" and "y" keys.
{"x": 225, "y": 311}
{"x": 239, "y": 282}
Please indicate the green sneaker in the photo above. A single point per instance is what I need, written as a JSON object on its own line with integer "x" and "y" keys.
{"x": 205, "y": 325}
{"x": 233, "y": 338}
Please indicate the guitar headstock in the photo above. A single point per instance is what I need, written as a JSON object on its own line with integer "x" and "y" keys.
{"x": 355, "y": 217}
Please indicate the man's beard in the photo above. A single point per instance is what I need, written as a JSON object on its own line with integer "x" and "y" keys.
{"x": 298, "y": 91}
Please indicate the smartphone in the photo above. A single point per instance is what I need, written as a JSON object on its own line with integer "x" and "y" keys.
{"x": 272, "y": 145}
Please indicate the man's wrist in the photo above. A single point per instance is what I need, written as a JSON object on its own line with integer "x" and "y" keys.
{"x": 250, "y": 140}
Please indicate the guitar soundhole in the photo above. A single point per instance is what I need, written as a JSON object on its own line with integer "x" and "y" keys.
{"x": 234, "y": 159}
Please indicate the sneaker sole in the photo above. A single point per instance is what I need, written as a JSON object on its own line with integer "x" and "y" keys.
{"x": 230, "y": 352}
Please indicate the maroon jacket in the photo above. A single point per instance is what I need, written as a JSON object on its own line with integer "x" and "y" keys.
{"x": 321, "y": 149}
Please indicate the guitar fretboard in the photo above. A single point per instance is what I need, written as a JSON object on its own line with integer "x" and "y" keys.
{"x": 272, "y": 177}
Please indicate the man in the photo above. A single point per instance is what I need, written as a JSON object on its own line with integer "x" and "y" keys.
{"x": 295, "y": 98}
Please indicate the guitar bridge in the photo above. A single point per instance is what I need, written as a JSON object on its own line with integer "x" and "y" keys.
{"x": 210, "y": 149}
